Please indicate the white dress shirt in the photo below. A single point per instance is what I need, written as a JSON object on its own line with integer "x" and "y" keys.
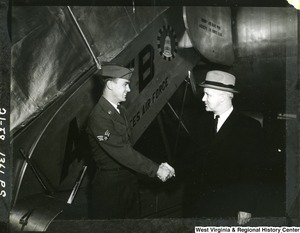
{"x": 115, "y": 105}
{"x": 223, "y": 117}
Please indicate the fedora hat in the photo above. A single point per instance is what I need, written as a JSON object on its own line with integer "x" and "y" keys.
{"x": 219, "y": 80}
{"x": 116, "y": 71}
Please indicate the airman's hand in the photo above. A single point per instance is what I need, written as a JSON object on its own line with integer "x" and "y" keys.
{"x": 165, "y": 171}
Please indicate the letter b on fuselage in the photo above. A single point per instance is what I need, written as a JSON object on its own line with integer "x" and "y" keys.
{"x": 146, "y": 66}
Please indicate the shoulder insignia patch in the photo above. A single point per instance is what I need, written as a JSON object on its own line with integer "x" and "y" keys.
{"x": 104, "y": 137}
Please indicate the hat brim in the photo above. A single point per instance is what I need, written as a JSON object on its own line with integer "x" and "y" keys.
{"x": 219, "y": 88}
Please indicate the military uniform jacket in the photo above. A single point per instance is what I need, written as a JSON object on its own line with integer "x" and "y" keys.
{"x": 109, "y": 138}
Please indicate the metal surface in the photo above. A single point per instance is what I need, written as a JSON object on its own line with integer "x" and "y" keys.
{"x": 157, "y": 75}
{"x": 209, "y": 29}
{"x": 112, "y": 28}
{"x": 38, "y": 174}
{"x": 264, "y": 32}
{"x": 46, "y": 139}
{"x": 35, "y": 213}
{"x": 181, "y": 124}
{"x": 76, "y": 186}
{"x": 266, "y": 43}
{"x": 47, "y": 58}
{"x": 49, "y": 55}
{"x": 98, "y": 64}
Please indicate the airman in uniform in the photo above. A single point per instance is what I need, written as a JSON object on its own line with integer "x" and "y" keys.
{"x": 115, "y": 186}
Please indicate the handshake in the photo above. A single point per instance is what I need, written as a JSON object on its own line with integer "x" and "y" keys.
{"x": 165, "y": 171}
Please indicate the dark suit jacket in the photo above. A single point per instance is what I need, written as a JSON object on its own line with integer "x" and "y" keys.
{"x": 226, "y": 167}
{"x": 110, "y": 142}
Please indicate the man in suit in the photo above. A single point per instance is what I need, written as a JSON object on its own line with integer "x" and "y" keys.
{"x": 115, "y": 186}
{"x": 229, "y": 152}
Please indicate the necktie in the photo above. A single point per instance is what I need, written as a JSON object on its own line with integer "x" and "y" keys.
{"x": 119, "y": 108}
{"x": 121, "y": 112}
{"x": 123, "y": 115}
{"x": 216, "y": 123}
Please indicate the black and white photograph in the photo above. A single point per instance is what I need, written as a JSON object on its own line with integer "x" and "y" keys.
{"x": 149, "y": 116}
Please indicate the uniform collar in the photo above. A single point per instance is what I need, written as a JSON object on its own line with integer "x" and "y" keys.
{"x": 109, "y": 108}
{"x": 114, "y": 105}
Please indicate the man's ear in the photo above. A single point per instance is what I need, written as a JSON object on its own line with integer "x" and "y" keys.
{"x": 222, "y": 97}
{"x": 109, "y": 84}
{"x": 225, "y": 96}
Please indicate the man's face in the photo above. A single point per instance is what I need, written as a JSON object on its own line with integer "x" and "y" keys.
{"x": 120, "y": 88}
{"x": 212, "y": 99}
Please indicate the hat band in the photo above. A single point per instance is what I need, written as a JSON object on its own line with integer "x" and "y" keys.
{"x": 218, "y": 84}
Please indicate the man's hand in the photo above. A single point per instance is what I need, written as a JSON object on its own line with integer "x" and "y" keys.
{"x": 172, "y": 170}
{"x": 165, "y": 171}
{"x": 243, "y": 217}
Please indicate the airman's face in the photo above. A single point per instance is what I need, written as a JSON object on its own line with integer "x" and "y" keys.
{"x": 212, "y": 99}
{"x": 120, "y": 88}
